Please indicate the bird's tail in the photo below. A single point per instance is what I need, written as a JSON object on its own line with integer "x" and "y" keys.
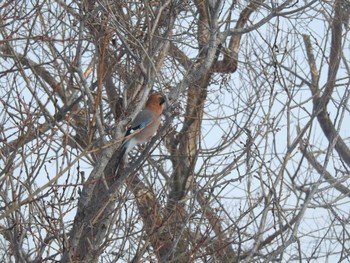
{"x": 121, "y": 155}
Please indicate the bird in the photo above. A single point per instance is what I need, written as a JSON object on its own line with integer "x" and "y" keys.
{"x": 144, "y": 126}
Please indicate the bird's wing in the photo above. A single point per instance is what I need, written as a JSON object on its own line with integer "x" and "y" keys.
{"x": 142, "y": 120}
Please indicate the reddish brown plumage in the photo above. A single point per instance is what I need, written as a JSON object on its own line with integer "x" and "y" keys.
{"x": 155, "y": 103}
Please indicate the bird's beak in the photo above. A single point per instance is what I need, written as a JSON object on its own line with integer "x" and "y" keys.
{"x": 161, "y": 100}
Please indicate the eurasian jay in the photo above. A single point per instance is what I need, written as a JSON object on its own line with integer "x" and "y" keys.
{"x": 145, "y": 125}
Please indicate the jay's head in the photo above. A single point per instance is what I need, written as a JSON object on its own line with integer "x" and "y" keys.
{"x": 156, "y": 102}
